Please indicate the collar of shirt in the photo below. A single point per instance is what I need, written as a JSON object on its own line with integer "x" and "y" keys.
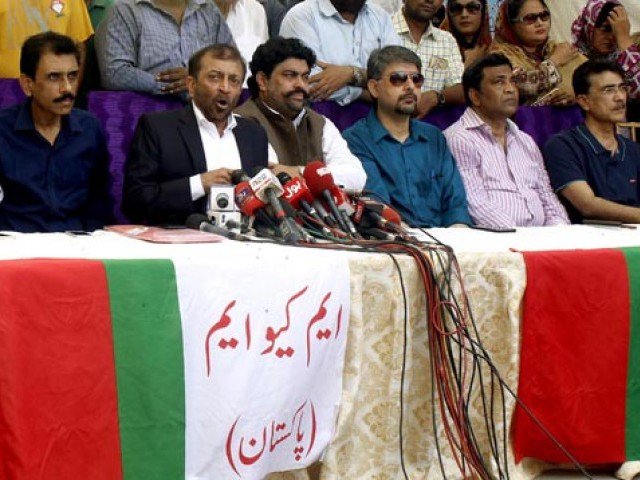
{"x": 328, "y": 10}
{"x": 296, "y": 121}
{"x": 210, "y": 126}
{"x": 402, "y": 27}
{"x": 24, "y": 120}
{"x": 379, "y": 132}
{"x": 599, "y": 149}
{"x": 189, "y": 3}
{"x": 471, "y": 120}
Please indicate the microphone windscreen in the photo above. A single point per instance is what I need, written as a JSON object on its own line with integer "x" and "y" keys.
{"x": 238, "y": 176}
{"x": 391, "y": 215}
{"x": 195, "y": 220}
{"x": 318, "y": 178}
{"x": 284, "y": 177}
{"x": 246, "y": 200}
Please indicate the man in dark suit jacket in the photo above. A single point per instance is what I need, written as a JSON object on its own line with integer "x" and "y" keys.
{"x": 177, "y": 156}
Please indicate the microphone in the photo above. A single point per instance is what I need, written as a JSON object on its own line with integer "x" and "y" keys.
{"x": 199, "y": 221}
{"x": 298, "y": 195}
{"x": 267, "y": 188}
{"x": 250, "y": 205}
{"x": 320, "y": 182}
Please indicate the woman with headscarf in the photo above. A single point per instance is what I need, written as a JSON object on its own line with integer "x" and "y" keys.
{"x": 468, "y": 22}
{"x": 603, "y": 31}
{"x": 542, "y": 67}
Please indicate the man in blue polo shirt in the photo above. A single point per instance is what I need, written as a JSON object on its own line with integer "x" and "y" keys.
{"x": 595, "y": 170}
{"x": 408, "y": 162}
{"x": 53, "y": 159}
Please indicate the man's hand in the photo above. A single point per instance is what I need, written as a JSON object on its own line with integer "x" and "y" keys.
{"x": 560, "y": 98}
{"x": 427, "y": 102}
{"x": 293, "y": 172}
{"x": 215, "y": 177}
{"x": 621, "y": 27}
{"x": 175, "y": 80}
{"x": 330, "y": 79}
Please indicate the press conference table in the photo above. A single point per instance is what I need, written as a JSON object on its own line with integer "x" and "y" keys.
{"x": 365, "y": 445}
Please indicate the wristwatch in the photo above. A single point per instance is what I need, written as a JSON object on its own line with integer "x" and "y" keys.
{"x": 441, "y": 99}
{"x": 357, "y": 77}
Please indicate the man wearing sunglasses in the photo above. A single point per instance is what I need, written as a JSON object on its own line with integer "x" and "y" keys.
{"x": 501, "y": 166}
{"x": 408, "y": 163}
{"x": 595, "y": 170}
{"x": 442, "y": 64}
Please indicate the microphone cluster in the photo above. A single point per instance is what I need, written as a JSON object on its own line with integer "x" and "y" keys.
{"x": 304, "y": 209}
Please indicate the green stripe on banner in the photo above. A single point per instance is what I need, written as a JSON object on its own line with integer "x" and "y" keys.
{"x": 633, "y": 376}
{"x": 149, "y": 367}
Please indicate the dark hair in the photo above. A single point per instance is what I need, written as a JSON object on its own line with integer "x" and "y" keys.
{"x": 220, "y": 51}
{"x": 47, "y": 42}
{"x": 272, "y": 53}
{"x": 381, "y": 58}
{"x": 462, "y": 41}
{"x": 473, "y": 75}
{"x": 582, "y": 75}
{"x": 514, "y": 7}
{"x": 603, "y": 16}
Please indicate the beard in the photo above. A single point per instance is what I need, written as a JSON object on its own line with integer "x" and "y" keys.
{"x": 405, "y": 108}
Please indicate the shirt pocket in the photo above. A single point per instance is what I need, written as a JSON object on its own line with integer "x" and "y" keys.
{"x": 497, "y": 177}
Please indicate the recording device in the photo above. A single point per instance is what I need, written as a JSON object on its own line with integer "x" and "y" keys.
{"x": 198, "y": 221}
{"x": 298, "y": 195}
{"x": 320, "y": 181}
{"x": 222, "y": 208}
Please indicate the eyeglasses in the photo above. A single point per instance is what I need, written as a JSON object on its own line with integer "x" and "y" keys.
{"x": 473, "y": 8}
{"x": 400, "y": 78}
{"x": 611, "y": 90}
{"x": 531, "y": 18}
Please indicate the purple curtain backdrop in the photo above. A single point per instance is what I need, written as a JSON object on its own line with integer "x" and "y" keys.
{"x": 119, "y": 113}
{"x": 10, "y": 92}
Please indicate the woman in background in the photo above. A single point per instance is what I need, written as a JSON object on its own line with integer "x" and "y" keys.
{"x": 468, "y": 22}
{"x": 603, "y": 30}
{"x": 543, "y": 68}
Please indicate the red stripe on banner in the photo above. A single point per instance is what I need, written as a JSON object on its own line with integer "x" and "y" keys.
{"x": 58, "y": 407}
{"x": 574, "y": 352}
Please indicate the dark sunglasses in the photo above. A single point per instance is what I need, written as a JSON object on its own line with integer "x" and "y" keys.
{"x": 400, "y": 78}
{"x": 531, "y": 18}
{"x": 473, "y": 8}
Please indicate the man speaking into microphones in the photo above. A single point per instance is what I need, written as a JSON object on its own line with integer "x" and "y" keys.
{"x": 178, "y": 156}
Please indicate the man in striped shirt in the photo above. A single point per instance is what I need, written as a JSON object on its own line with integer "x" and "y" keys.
{"x": 502, "y": 168}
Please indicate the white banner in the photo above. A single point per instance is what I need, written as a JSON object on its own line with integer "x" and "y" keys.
{"x": 264, "y": 343}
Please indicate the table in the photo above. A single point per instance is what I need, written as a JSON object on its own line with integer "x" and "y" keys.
{"x": 366, "y": 440}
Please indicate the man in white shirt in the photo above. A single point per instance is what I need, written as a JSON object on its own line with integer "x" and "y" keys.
{"x": 247, "y": 21}
{"x": 279, "y": 92}
{"x": 177, "y": 156}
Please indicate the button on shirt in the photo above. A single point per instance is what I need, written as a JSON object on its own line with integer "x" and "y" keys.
{"x": 137, "y": 40}
{"x": 220, "y": 151}
{"x": 336, "y": 41}
{"x": 49, "y": 188}
{"x": 417, "y": 177}
{"x": 504, "y": 190}
{"x": 442, "y": 65}
{"x": 576, "y": 155}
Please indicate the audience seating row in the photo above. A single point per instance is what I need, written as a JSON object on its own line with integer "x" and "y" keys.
{"x": 119, "y": 113}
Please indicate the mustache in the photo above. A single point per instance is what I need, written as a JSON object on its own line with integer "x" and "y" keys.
{"x": 413, "y": 96}
{"x": 66, "y": 96}
{"x": 298, "y": 90}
